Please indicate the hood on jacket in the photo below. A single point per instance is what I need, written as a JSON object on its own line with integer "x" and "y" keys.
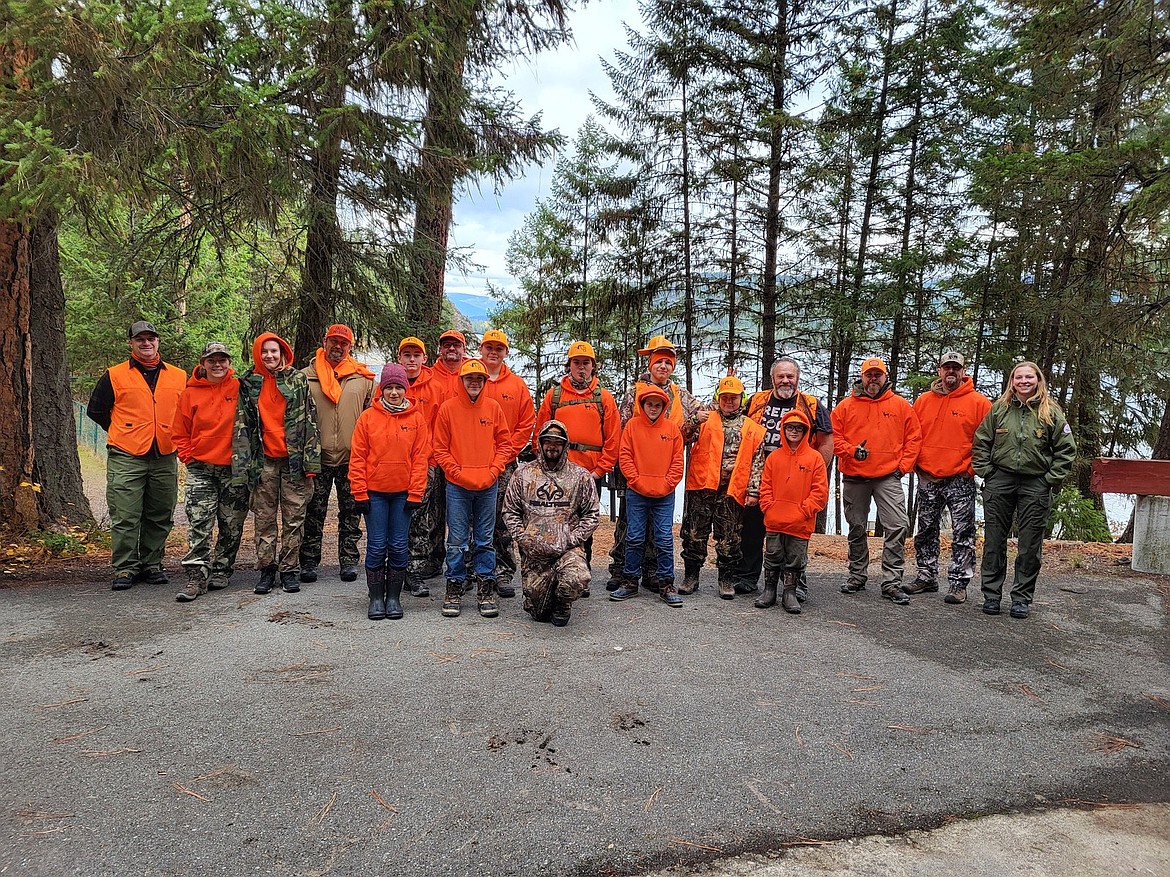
{"x": 798, "y": 416}
{"x": 285, "y": 350}
{"x": 965, "y": 386}
{"x": 553, "y": 429}
{"x": 651, "y": 391}
{"x": 859, "y": 393}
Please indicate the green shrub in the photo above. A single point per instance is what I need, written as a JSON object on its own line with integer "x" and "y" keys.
{"x": 1075, "y": 518}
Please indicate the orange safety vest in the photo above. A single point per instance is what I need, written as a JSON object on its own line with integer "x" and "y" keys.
{"x": 707, "y": 457}
{"x": 141, "y": 418}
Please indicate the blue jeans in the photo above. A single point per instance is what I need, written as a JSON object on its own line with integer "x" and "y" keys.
{"x": 387, "y": 526}
{"x": 469, "y": 510}
{"x": 653, "y": 517}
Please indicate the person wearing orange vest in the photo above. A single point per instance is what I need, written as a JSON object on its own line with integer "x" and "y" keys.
{"x": 794, "y": 489}
{"x": 428, "y": 547}
{"x": 876, "y": 437}
{"x": 203, "y": 437}
{"x": 651, "y": 458}
{"x": 767, "y": 408}
{"x": 684, "y": 410}
{"x": 472, "y": 444}
{"x": 135, "y": 403}
{"x": 510, "y": 390}
{"x": 590, "y": 414}
{"x": 276, "y": 447}
{"x": 723, "y": 476}
{"x": 342, "y": 389}
{"x": 949, "y": 413}
{"x": 388, "y": 473}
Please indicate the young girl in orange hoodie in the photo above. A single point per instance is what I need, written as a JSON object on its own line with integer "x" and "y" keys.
{"x": 277, "y": 448}
{"x": 388, "y": 476}
{"x": 794, "y": 488}
{"x": 651, "y": 459}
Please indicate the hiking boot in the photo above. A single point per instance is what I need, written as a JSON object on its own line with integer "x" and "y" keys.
{"x": 218, "y": 581}
{"x": 309, "y": 574}
{"x": 626, "y": 589}
{"x": 152, "y": 577}
{"x": 991, "y": 606}
{"x": 560, "y": 613}
{"x": 194, "y": 587}
{"x": 290, "y": 581}
{"x": 788, "y": 598}
{"x": 349, "y": 574}
{"x": 690, "y": 582}
{"x": 852, "y": 587}
{"x": 504, "y": 586}
{"x": 896, "y": 596}
{"x": 394, "y": 581}
{"x": 376, "y": 586}
{"x": 919, "y": 586}
{"x": 1019, "y": 609}
{"x": 122, "y": 581}
{"x": 453, "y": 599}
{"x": 267, "y": 580}
{"x": 669, "y": 593}
{"x": 955, "y": 595}
{"x": 418, "y": 587}
{"x": 485, "y": 597}
{"x": 726, "y": 589}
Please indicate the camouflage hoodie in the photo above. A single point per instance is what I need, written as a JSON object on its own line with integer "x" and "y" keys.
{"x": 549, "y": 510}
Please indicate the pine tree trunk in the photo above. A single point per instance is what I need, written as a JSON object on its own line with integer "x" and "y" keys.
{"x": 56, "y": 466}
{"x": 768, "y": 294}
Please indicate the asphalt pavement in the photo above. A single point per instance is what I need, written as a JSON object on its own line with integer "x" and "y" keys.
{"x": 287, "y": 734}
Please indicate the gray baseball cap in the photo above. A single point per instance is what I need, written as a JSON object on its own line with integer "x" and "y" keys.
{"x": 141, "y": 327}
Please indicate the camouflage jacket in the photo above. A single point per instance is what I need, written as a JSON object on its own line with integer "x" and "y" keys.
{"x": 300, "y": 426}
{"x": 549, "y": 511}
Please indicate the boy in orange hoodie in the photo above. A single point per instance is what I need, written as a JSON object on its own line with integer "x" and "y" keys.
{"x": 651, "y": 459}
{"x": 202, "y": 433}
{"x": 795, "y": 487}
{"x": 472, "y": 444}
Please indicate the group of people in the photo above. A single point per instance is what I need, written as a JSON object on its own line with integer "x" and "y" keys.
{"x": 430, "y": 456}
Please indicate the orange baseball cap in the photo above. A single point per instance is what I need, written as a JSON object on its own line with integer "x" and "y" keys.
{"x": 472, "y": 367}
{"x": 874, "y": 362}
{"x": 411, "y": 341}
{"x": 731, "y": 385}
{"x": 495, "y": 335}
{"x": 581, "y": 348}
{"x": 340, "y": 330}
{"x": 453, "y": 333}
{"x": 657, "y": 344}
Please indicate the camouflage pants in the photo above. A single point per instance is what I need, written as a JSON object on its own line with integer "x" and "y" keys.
{"x": 956, "y": 493}
{"x": 427, "y": 537}
{"x": 505, "y": 559}
{"x": 279, "y": 492}
{"x": 213, "y": 498}
{"x": 704, "y": 511}
{"x": 549, "y": 580}
{"x": 349, "y": 522}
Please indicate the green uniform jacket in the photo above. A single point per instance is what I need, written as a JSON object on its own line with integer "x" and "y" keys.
{"x": 1012, "y": 438}
{"x": 300, "y": 426}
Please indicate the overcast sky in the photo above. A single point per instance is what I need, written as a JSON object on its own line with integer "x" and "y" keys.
{"x": 557, "y": 85}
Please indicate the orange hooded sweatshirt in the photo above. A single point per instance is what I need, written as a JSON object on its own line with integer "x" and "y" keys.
{"x": 887, "y": 425}
{"x": 514, "y": 397}
{"x": 390, "y": 452}
{"x": 949, "y": 421}
{"x": 594, "y": 435}
{"x": 651, "y": 454}
{"x": 272, "y": 403}
{"x": 795, "y": 485}
{"x": 205, "y": 417}
{"x": 472, "y": 442}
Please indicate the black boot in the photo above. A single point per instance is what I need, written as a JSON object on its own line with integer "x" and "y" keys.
{"x": 767, "y": 599}
{"x": 394, "y": 580}
{"x": 376, "y": 585}
{"x": 789, "y": 600}
{"x": 267, "y": 580}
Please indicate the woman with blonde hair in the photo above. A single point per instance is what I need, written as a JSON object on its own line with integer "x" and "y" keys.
{"x": 1023, "y": 450}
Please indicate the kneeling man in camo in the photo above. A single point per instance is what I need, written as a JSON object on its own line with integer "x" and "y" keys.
{"x": 550, "y": 510}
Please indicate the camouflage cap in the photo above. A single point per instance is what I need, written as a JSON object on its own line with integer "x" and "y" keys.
{"x": 213, "y": 347}
{"x": 553, "y": 431}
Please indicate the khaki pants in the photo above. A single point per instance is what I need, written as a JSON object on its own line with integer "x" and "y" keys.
{"x": 891, "y": 510}
{"x": 279, "y": 491}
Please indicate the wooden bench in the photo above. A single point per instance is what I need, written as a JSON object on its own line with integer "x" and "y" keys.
{"x": 1149, "y": 481}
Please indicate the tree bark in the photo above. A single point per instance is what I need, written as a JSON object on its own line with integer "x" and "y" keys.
{"x": 18, "y": 505}
{"x": 56, "y": 466}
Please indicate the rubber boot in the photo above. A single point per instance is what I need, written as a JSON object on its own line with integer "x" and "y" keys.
{"x": 376, "y": 585}
{"x": 690, "y": 582}
{"x": 485, "y": 595}
{"x": 394, "y": 580}
{"x": 767, "y": 599}
{"x": 668, "y": 593}
{"x": 789, "y": 600}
